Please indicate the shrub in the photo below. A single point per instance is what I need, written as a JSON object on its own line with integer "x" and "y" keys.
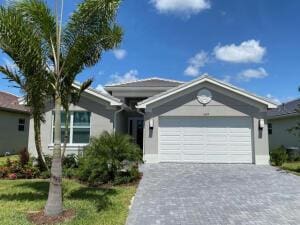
{"x": 70, "y": 161}
{"x": 278, "y": 156}
{"x": 48, "y": 160}
{"x": 45, "y": 175}
{"x": 8, "y": 162}
{"x": 108, "y": 157}
{"x": 70, "y": 173}
{"x": 21, "y": 172}
{"x": 24, "y": 157}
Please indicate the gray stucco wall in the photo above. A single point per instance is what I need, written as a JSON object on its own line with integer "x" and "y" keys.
{"x": 280, "y": 135}
{"x": 11, "y": 139}
{"x": 101, "y": 120}
{"x": 224, "y": 103}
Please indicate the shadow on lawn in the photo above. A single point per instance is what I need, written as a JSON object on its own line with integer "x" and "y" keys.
{"x": 97, "y": 196}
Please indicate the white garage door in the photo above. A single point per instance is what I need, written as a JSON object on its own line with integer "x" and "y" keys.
{"x": 205, "y": 139}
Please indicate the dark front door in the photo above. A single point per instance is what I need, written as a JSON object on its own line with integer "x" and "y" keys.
{"x": 136, "y": 128}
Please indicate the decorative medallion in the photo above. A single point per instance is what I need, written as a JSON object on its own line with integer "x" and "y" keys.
{"x": 204, "y": 96}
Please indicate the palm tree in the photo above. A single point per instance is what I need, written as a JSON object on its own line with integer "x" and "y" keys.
{"x": 35, "y": 93}
{"x": 63, "y": 52}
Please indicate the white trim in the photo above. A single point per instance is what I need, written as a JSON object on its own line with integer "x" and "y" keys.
{"x": 151, "y": 158}
{"x": 202, "y": 79}
{"x": 71, "y": 127}
{"x": 112, "y": 100}
{"x": 262, "y": 159}
{"x": 141, "y": 80}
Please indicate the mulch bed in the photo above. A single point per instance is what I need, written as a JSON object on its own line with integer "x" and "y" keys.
{"x": 39, "y": 218}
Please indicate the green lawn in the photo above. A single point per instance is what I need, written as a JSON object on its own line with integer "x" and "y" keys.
{"x": 292, "y": 166}
{"x": 3, "y": 159}
{"x": 94, "y": 206}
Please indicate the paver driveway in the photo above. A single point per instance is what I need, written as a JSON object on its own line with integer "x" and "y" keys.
{"x": 194, "y": 194}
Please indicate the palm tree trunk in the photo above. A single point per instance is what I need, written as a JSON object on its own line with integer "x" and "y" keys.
{"x": 66, "y": 134}
{"x": 54, "y": 205}
{"x": 38, "y": 144}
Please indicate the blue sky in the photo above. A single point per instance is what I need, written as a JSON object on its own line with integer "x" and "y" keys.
{"x": 254, "y": 44}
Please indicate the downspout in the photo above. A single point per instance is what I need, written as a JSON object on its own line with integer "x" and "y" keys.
{"x": 115, "y": 117}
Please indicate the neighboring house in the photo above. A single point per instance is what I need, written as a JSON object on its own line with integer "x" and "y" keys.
{"x": 14, "y": 124}
{"x": 280, "y": 121}
{"x": 205, "y": 120}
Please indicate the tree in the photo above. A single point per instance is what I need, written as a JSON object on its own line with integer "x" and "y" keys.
{"x": 65, "y": 51}
{"x": 28, "y": 74}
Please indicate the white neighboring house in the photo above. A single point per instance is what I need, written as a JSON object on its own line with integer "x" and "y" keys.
{"x": 203, "y": 121}
{"x": 14, "y": 124}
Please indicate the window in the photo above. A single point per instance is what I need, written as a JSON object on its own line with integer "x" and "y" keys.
{"x": 21, "y": 126}
{"x": 79, "y": 127}
{"x": 270, "y": 128}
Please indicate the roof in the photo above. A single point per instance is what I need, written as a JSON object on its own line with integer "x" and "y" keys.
{"x": 286, "y": 109}
{"x": 150, "y": 82}
{"x": 10, "y": 102}
{"x": 202, "y": 79}
{"x": 106, "y": 97}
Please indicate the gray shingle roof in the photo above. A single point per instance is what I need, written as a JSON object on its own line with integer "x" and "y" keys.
{"x": 151, "y": 82}
{"x": 10, "y": 102}
{"x": 286, "y": 109}
{"x": 200, "y": 79}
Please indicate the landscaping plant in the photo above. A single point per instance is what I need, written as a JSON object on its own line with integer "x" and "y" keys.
{"x": 110, "y": 158}
{"x": 278, "y": 156}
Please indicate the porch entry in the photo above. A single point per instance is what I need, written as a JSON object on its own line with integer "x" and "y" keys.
{"x": 135, "y": 129}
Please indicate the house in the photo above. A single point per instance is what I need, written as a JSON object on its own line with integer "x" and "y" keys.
{"x": 280, "y": 121}
{"x": 204, "y": 120}
{"x": 14, "y": 124}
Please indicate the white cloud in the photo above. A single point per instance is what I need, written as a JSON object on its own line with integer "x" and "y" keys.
{"x": 120, "y": 53}
{"x": 247, "y": 52}
{"x": 227, "y": 79}
{"x": 196, "y": 63}
{"x": 182, "y": 7}
{"x": 130, "y": 76}
{"x": 101, "y": 88}
{"x": 249, "y": 74}
{"x": 274, "y": 99}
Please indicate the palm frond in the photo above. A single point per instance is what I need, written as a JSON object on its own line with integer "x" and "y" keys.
{"x": 13, "y": 76}
{"x": 90, "y": 31}
{"x": 39, "y": 15}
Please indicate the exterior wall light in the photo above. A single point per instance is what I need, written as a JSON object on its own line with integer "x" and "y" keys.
{"x": 261, "y": 123}
{"x": 151, "y": 124}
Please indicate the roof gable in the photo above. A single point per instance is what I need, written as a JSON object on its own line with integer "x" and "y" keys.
{"x": 209, "y": 79}
{"x": 106, "y": 97}
{"x": 150, "y": 82}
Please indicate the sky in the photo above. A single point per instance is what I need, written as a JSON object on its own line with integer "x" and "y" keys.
{"x": 253, "y": 44}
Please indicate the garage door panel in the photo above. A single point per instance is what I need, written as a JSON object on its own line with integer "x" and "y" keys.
{"x": 205, "y": 139}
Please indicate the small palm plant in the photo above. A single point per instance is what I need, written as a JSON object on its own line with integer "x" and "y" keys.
{"x": 107, "y": 157}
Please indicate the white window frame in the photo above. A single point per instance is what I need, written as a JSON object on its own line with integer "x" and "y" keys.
{"x": 71, "y": 127}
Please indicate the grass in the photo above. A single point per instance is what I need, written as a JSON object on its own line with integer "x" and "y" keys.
{"x": 94, "y": 206}
{"x": 292, "y": 166}
{"x": 3, "y": 159}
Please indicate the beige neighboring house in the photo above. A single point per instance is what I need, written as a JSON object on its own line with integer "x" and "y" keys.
{"x": 14, "y": 124}
{"x": 280, "y": 121}
{"x": 201, "y": 121}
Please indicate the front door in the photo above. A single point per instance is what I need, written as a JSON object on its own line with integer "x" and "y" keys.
{"x": 135, "y": 129}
